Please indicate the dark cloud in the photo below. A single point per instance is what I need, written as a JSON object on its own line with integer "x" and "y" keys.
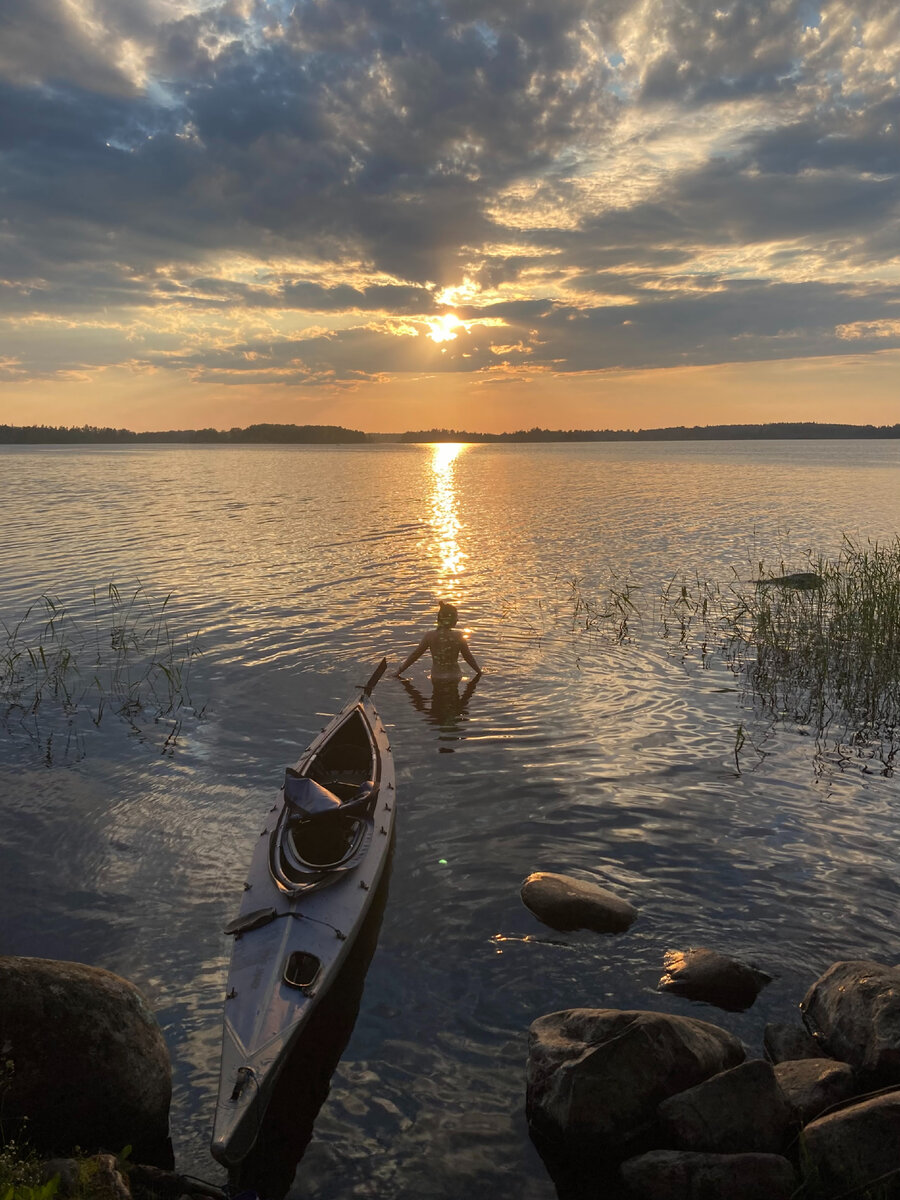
{"x": 629, "y": 184}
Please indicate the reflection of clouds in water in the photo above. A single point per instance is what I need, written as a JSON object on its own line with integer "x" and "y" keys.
{"x": 445, "y": 521}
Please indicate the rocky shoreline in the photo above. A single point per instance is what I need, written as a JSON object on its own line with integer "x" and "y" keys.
{"x": 629, "y": 1104}
{"x": 647, "y": 1106}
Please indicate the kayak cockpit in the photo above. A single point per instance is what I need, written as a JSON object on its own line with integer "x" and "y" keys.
{"x": 325, "y": 824}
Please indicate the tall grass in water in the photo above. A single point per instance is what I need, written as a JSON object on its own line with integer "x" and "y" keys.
{"x": 112, "y": 654}
{"x": 826, "y": 657}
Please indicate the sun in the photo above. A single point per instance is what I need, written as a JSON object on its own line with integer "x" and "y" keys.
{"x": 444, "y": 328}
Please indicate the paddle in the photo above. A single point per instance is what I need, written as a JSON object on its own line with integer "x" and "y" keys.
{"x": 375, "y": 676}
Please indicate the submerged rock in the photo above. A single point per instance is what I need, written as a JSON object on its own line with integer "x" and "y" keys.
{"x": 595, "y": 1077}
{"x": 802, "y": 581}
{"x": 739, "y": 1110}
{"x": 854, "y": 1008}
{"x": 565, "y": 903}
{"x": 701, "y": 974}
{"x": 683, "y": 1175}
{"x": 90, "y": 1069}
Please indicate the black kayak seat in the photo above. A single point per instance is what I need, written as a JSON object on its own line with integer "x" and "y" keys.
{"x": 306, "y": 797}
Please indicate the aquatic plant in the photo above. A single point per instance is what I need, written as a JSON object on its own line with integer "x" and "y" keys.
{"x": 112, "y": 653}
{"x": 612, "y": 615}
{"x": 822, "y": 652}
{"x": 817, "y": 646}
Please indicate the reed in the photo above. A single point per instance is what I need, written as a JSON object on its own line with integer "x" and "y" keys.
{"x": 819, "y": 647}
{"x": 115, "y": 653}
{"x": 825, "y": 655}
{"x": 614, "y": 614}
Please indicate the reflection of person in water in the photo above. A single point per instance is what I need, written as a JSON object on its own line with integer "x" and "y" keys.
{"x": 448, "y": 706}
{"x": 446, "y": 645}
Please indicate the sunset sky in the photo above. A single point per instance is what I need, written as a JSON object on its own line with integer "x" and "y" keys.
{"x": 402, "y": 214}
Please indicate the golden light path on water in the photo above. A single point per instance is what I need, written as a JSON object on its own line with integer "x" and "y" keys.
{"x": 444, "y": 518}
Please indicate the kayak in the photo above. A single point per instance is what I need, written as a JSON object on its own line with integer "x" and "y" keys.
{"x": 312, "y": 879}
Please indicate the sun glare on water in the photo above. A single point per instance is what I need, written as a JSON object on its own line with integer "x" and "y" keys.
{"x": 445, "y": 522}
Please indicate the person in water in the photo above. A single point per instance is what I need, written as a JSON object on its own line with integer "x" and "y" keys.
{"x": 446, "y": 645}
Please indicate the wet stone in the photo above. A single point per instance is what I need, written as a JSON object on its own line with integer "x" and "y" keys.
{"x": 707, "y": 975}
{"x": 565, "y": 903}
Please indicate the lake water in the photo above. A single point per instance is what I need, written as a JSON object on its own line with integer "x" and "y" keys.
{"x": 299, "y": 567}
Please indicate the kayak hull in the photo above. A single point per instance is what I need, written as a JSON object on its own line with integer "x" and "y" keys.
{"x": 301, "y": 912}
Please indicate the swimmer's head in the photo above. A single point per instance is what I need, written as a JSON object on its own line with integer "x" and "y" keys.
{"x": 447, "y": 615}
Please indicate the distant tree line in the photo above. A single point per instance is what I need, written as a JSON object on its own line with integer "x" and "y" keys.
{"x": 673, "y": 433}
{"x": 336, "y": 434}
{"x": 316, "y": 434}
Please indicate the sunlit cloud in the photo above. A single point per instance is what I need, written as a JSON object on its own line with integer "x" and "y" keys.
{"x": 466, "y": 292}
{"x": 317, "y": 195}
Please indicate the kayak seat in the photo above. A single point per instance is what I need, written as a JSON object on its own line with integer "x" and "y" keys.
{"x": 306, "y": 797}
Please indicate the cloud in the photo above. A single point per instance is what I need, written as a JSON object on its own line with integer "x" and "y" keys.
{"x": 614, "y": 183}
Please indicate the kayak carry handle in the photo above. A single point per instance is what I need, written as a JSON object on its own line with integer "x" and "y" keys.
{"x": 369, "y": 687}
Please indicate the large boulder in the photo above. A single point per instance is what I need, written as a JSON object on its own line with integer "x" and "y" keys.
{"x": 810, "y": 1085}
{"x": 683, "y": 1175}
{"x": 565, "y": 903}
{"x": 845, "y": 1150}
{"x": 595, "y": 1077}
{"x": 738, "y": 1110}
{"x": 701, "y": 974}
{"x": 90, "y": 1069}
{"x": 854, "y": 1008}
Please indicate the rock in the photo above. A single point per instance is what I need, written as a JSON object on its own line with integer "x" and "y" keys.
{"x": 785, "y": 1043}
{"x": 845, "y": 1150}
{"x": 596, "y": 1076}
{"x": 854, "y": 1008}
{"x": 565, "y": 903}
{"x": 150, "y": 1183}
{"x": 802, "y": 581}
{"x": 700, "y": 974}
{"x": 682, "y": 1175}
{"x": 739, "y": 1110}
{"x": 811, "y": 1085}
{"x": 90, "y": 1066}
{"x": 99, "y": 1177}
{"x": 66, "y": 1170}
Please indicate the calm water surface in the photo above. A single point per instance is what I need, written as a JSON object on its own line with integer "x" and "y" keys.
{"x": 299, "y": 567}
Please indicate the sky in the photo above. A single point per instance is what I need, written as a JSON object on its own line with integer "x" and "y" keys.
{"x": 471, "y": 214}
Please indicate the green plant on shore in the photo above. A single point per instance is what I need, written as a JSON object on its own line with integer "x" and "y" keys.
{"x": 114, "y": 653}
{"x": 20, "y": 1172}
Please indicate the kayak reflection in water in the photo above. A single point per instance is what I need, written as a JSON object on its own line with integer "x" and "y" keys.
{"x": 446, "y": 645}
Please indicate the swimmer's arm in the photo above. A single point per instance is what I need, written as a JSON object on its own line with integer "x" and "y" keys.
{"x": 417, "y": 653}
{"x": 469, "y": 656}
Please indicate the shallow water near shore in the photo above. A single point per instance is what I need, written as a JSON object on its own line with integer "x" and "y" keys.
{"x": 298, "y": 567}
